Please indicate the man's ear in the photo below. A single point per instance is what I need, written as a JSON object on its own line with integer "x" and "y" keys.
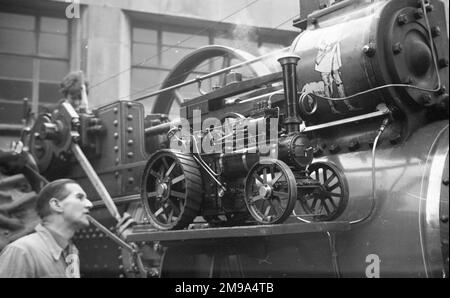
{"x": 55, "y": 205}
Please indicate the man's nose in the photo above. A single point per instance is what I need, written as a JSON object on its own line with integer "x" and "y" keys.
{"x": 88, "y": 204}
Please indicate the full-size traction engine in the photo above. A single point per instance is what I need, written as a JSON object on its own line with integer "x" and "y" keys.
{"x": 336, "y": 161}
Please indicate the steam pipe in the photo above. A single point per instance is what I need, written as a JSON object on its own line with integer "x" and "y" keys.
{"x": 289, "y": 65}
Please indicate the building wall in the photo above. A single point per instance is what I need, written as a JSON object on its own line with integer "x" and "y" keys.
{"x": 101, "y": 40}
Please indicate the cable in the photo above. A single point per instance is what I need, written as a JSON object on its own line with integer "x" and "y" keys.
{"x": 375, "y": 143}
{"x": 177, "y": 44}
{"x": 206, "y": 63}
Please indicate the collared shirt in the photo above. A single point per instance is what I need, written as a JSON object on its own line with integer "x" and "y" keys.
{"x": 39, "y": 255}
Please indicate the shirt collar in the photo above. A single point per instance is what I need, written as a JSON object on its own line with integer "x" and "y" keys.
{"x": 56, "y": 243}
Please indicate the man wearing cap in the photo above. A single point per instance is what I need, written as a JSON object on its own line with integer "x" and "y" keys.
{"x": 49, "y": 252}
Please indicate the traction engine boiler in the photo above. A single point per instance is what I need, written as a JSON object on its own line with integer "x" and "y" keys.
{"x": 338, "y": 158}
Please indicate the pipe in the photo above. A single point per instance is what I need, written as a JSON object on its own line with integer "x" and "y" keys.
{"x": 96, "y": 182}
{"x": 289, "y": 65}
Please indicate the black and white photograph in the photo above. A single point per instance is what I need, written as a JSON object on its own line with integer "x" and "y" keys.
{"x": 224, "y": 145}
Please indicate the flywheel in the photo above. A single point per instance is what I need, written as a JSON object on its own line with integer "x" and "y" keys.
{"x": 270, "y": 191}
{"x": 171, "y": 190}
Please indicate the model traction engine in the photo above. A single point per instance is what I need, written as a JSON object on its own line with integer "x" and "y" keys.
{"x": 362, "y": 74}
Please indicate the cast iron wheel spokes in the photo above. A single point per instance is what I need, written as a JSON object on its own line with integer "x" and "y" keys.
{"x": 270, "y": 191}
{"x": 171, "y": 190}
{"x": 330, "y": 200}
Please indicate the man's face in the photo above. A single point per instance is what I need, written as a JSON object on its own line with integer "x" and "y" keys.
{"x": 76, "y": 206}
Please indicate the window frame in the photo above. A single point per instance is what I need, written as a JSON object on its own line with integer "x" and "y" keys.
{"x": 35, "y": 80}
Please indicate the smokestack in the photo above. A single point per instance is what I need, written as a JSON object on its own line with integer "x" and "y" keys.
{"x": 289, "y": 65}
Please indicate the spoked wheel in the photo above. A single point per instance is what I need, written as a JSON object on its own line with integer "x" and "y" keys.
{"x": 270, "y": 191}
{"x": 188, "y": 66}
{"x": 330, "y": 200}
{"x": 171, "y": 190}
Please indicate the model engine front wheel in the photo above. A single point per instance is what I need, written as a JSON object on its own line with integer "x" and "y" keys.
{"x": 270, "y": 191}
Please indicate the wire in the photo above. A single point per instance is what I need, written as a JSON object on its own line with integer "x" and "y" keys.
{"x": 206, "y": 63}
{"x": 375, "y": 143}
{"x": 177, "y": 44}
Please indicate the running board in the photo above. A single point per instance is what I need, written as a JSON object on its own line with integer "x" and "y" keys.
{"x": 147, "y": 233}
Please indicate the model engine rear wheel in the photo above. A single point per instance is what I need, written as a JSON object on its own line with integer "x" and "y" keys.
{"x": 171, "y": 190}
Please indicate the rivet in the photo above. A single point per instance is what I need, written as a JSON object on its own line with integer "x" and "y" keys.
{"x": 435, "y": 31}
{"x": 115, "y": 110}
{"x": 397, "y": 48}
{"x": 354, "y": 145}
{"x": 369, "y": 50}
{"x": 334, "y": 148}
{"x": 443, "y": 62}
{"x": 130, "y": 129}
{"x": 120, "y": 257}
{"x": 444, "y": 218}
{"x": 402, "y": 19}
{"x": 130, "y": 154}
{"x": 131, "y": 180}
{"x": 429, "y": 8}
{"x": 116, "y": 122}
{"x": 130, "y": 142}
{"x": 129, "y": 104}
{"x": 116, "y": 148}
{"x": 117, "y": 173}
{"x": 418, "y": 14}
{"x": 426, "y": 98}
{"x": 116, "y": 135}
{"x": 395, "y": 139}
{"x": 130, "y": 117}
{"x": 445, "y": 181}
{"x": 117, "y": 161}
{"x": 442, "y": 90}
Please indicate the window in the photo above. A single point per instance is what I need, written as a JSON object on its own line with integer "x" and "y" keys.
{"x": 156, "y": 49}
{"x": 34, "y": 57}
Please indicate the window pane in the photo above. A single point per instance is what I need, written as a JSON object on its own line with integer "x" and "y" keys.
{"x": 14, "y": 90}
{"x": 244, "y": 44}
{"x": 16, "y": 67}
{"x": 185, "y": 40}
{"x": 17, "y": 41}
{"x": 54, "y": 25}
{"x": 53, "y": 45}
{"x": 145, "y": 52}
{"x": 171, "y": 56}
{"x": 19, "y": 21}
{"x": 145, "y": 81}
{"x": 11, "y": 112}
{"x": 49, "y": 93}
{"x": 145, "y": 35}
{"x": 51, "y": 70}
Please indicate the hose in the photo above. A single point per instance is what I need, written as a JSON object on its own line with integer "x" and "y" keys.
{"x": 375, "y": 143}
